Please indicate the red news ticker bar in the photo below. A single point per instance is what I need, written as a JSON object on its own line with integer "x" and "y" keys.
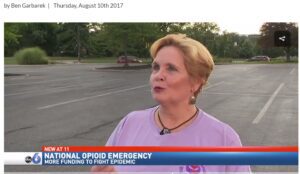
{"x": 168, "y": 149}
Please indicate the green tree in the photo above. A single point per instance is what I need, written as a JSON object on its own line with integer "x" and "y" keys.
{"x": 42, "y": 35}
{"x": 228, "y": 45}
{"x": 73, "y": 39}
{"x": 266, "y": 40}
{"x": 205, "y": 32}
{"x": 11, "y": 38}
{"x": 170, "y": 27}
{"x": 128, "y": 38}
{"x": 247, "y": 48}
{"x": 21, "y": 35}
{"x": 97, "y": 42}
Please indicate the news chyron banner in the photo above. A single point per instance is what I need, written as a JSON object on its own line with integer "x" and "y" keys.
{"x": 99, "y": 155}
{"x": 23, "y": 158}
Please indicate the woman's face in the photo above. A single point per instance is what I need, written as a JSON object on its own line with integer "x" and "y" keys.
{"x": 170, "y": 81}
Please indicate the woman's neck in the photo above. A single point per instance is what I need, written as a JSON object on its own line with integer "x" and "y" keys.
{"x": 172, "y": 116}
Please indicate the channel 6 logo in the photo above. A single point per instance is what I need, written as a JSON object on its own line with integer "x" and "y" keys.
{"x": 35, "y": 159}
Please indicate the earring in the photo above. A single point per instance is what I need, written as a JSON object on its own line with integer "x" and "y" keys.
{"x": 192, "y": 100}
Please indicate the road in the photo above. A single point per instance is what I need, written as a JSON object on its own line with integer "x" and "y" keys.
{"x": 81, "y": 104}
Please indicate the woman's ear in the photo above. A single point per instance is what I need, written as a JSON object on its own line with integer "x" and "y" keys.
{"x": 197, "y": 84}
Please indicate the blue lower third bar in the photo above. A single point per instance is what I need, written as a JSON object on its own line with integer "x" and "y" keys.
{"x": 170, "y": 158}
{"x": 224, "y": 158}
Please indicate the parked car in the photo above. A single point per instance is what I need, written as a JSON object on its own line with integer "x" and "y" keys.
{"x": 260, "y": 58}
{"x": 130, "y": 59}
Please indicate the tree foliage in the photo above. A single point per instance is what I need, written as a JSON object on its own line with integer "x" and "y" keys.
{"x": 11, "y": 38}
{"x": 73, "y": 39}
{"x": 266, "y": 40}
{"x": 115, "y": 39}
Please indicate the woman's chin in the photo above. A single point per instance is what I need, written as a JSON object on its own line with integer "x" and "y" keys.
{"x": 158, "y": 99}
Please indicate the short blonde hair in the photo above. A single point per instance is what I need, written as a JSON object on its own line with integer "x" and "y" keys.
{"x": 197, "y": 59}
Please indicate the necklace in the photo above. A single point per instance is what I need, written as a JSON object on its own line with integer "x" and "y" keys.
{"x": 166, "y": 130}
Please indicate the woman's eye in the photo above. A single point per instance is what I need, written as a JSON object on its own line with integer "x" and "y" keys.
{"x": 155, "y": 67}
{"x": 171, "y": 68}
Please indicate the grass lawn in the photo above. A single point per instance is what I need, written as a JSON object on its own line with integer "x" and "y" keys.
{"x": 279, "y": 60}
{"x": 59, "y": 60}
{"x": 10, "y": 61}
{"x": 83, "y": 60}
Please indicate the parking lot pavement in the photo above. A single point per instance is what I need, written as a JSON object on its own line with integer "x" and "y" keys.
{"x": 81, "y": 104}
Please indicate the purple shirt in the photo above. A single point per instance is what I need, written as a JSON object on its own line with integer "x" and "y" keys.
{"x": 138, "y": 128}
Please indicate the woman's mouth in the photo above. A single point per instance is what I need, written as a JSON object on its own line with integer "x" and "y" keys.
{"x": 158, "y": 89}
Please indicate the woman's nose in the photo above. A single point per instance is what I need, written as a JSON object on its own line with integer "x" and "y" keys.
{"x": 160, "y": 75}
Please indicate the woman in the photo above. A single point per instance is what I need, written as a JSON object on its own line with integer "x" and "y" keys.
{"x": 181, "y": 67}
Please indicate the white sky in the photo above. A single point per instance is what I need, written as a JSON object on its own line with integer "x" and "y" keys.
{"x": 241, "y": 28}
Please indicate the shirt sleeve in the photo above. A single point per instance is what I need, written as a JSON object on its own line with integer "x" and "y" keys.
{"x": 114, "y": 137}
{"x": 233, "y": 139}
